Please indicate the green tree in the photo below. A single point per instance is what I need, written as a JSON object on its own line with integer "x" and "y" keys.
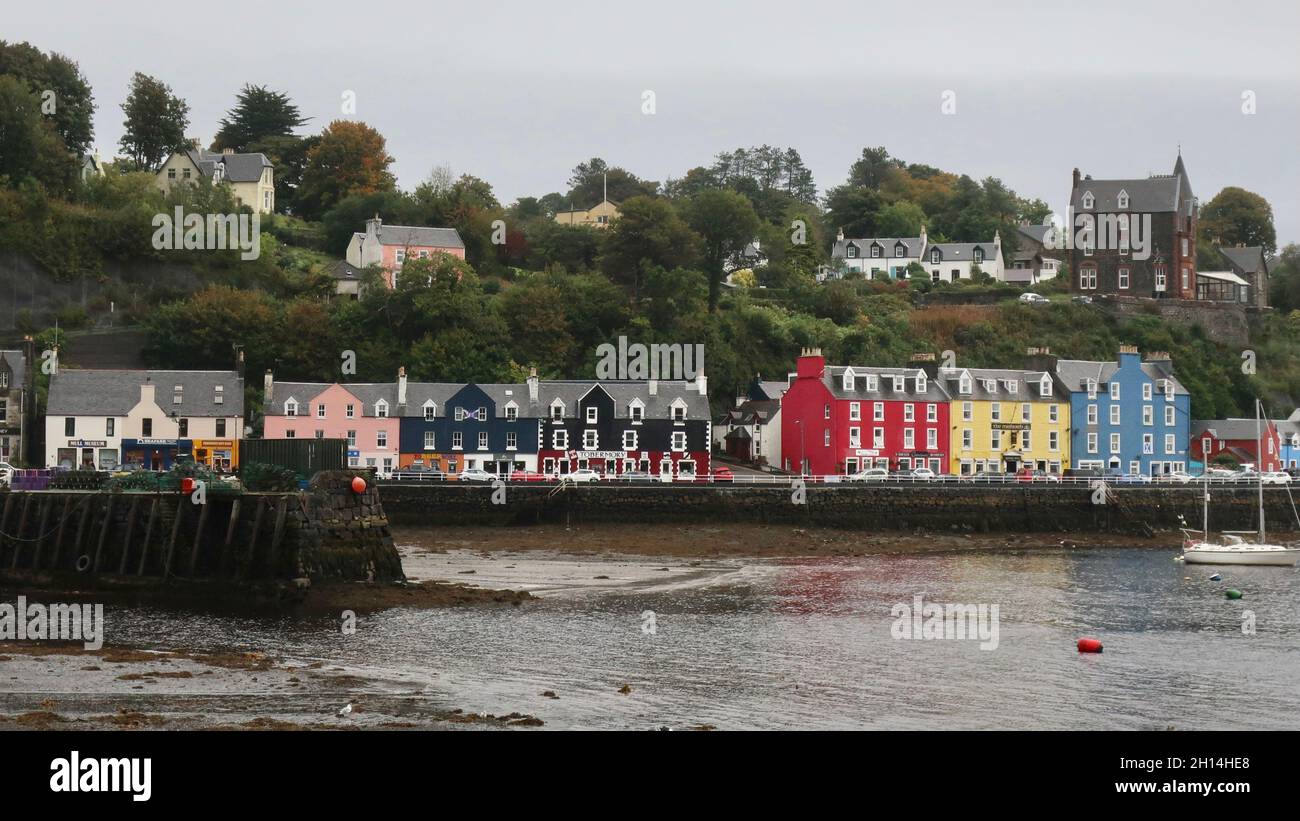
{"x": 900, "y": 219}
{"x": 726, "y": 223}
{"x": 259, "y": 113}
{"x": 648, "y": 231}
{"x": 1236, "y": 215}
{"x": 155, "y": 123}
{"x": 73, "y": 103}
{"x": 589, "y": 180}
{"x": 350, "y": 158}
{"x": 29, "y": 146}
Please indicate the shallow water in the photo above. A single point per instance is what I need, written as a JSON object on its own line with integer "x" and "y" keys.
{"x": 806, "y": 643}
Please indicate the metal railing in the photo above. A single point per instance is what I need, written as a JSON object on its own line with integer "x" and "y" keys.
{"x": 905, "y": 479}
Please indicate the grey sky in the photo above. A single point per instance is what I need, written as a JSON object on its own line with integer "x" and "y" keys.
{"x": 518, "y": 93}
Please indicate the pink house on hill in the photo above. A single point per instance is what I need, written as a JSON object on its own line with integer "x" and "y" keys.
{"x": 363, "y": 413}
{"x": 391, "y": 245}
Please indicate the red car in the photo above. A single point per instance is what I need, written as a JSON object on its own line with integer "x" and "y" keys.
{"x": 722, "y": 473}
{"x": 527, "y": 476}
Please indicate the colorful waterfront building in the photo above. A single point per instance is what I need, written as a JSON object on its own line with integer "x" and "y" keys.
{"x": 1238, "y": 440}
{"x": 840, "y": 419}
{"x": 1127, "y": 416}
{"x": 1288, "y": 431}
{"x": 363, "y": 413}
{"x": 102, "y": 419}
{"x": 452, "y": 427}
{"x": 1004, "y": 420}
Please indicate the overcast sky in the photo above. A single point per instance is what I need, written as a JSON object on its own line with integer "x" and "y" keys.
{"x": 520, "y": 92}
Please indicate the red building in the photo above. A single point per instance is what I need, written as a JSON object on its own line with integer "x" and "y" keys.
{"x": 839, "y": 420}
{"x": 1236, "y": 440}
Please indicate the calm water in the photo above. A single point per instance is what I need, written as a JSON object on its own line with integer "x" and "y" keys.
{"x": 806, "y": 643}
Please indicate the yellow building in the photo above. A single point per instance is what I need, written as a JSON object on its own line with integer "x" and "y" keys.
{"x": 1003, "y": 420}
{"x": 250, "y": 176}
{"x": 599, "y": 216}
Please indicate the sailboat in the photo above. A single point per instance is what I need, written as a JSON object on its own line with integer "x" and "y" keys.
{"x": 1233, "y": 549}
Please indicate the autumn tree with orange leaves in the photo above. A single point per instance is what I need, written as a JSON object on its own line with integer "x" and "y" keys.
{"x": 351, "y": 158}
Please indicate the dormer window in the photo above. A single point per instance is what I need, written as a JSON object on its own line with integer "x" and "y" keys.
{"x": 979, "y": 255}
{"x": 1091, "y": 385}
{"x": 1121, "y": 200}
{"x": 934, "y": 255}
{"x": 1088, "y": 199}
{"x": 851, "y": 251}
{"x": 875, "y": 252}
{"x": 900, "y": 250}
{"x": 381, "y": 409}
{"x": 1045, "y": 386}
{"x": 430, "y": 411}
{"x": 873, "y": 382}
{"x": 920, "y": 382}
{"x": 557, "y": 410}
{"x": 848, "y": 380}
{"x": 176, "y": 395}
{"x": 512, "y": 412}
{"x": 1012, "y": 386}
{"x": 898, "y": 382}
{"x": 964, "y": 384}
{"x": 636, "y": 411}
{"x": 220, "y": 396}
{"x": 679, "y": 413}
{"x": 291, "y": 407}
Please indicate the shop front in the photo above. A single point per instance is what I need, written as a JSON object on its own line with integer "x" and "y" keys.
{"x": 221, "y": 455}
{"x": 87, "y": 454}
{"x": 155, "y": 454}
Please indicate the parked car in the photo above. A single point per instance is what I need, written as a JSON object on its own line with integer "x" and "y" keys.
{"x": 1132, "y": 479}
{"x": 923, "y": 475}
{"x": 722, "y": 473}
{"x": 1034, "y": 299}
{"x": 6, "y": 473}
{"x": 868, "y": 475}
{"x": 1179, "y": 477}
{"x": 1276, "y": 477}
{"x": 582, "y": 475}
{"x": 1081, "y": 299}
{"x": 476, "y": 475}
{"x": 635, "y": 476}
{"x": 527, "y": 476}
{"x": 1031, "y": 475}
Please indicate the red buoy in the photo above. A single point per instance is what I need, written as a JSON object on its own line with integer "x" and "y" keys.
{"x": 358, "y": 484}
{"x": 1089, "y": 645}
{"x": 187, "y": 485}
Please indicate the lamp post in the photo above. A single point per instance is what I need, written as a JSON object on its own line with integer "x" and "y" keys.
{"x": 803, "y": 451}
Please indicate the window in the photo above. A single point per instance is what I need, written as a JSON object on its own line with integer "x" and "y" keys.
{"x": 1025, "y": 440}
{"x": 430, "y": 440}
{"x": 899, "y": 250}
{"x": 967, "y": 411}
{"x": 855, "y": 411}
{"x": 846, "y": 382}
{"x": 457, "y": 440}
{"x": 851, "y": 251}
{"x": 1170, "y": 443}
{"x": 826, "y": 437}
{"x": 1092, "y": 443}
{"x": 877, "y": 411}
{"x": 1114, "y": 443}
{"x": 1146, "y": 391}
{"x": 979, "y": 255}
{"x": 826, "y": 411}
{"x": 909, "y": 412}
{"x": 1024, "y": 412}
{"x": 637, "y": 412}
{"x": 1114, "y": 414}
{"x": 351, "y": 411}
{"x": 1148, "y": 444}
{"x": 381, "y": 439}
{"x": 592, "y": 413}
{"x": 1160, "y": 277}
{"x": 934, "y": 257}
{"x": 877, "y": 438}
{"x": 146, "y": 427}
{"x": 481, "y": 414}
{"x": 320, "y": 434}
{"x": 560, "y": 440}
{"x": 482, "y": 440}
{"x": 512, "y": 440}
{"x": 1053, "y": 413}
{"x": 855, "y": 437}
{"x": 995, "y": 411}
{"x": 1053, "y": 440}
{"x": 932, "y": 412}
{"x": 352, "y": 439}
{"x": 429, "y": 411}
{"x": 70, "y": 426}
{"x": 381, "y": 409}
{"x": 995, "y": 439}
{"x": 931, "y": 439}
{"x": 964, "y": 385}
{"x": 920, "y": 382}
{"x": 220, "y": 396}
{"x": 1170, "y": 410}
{"x": 875, "y": 251}
{"x": 967, "y": 438}
{"x": 557, "y": 412}
{"x": 1092, "y": 414}
{"x": 110, "y": 424}
{"x": 1045, "y": 386}
{"x": 460, "y": 414}
{"x": 1121, "y": 200}
{"x": 290, "y": 408}
{"x": 1088, "y": 199}
{"x": 1186, "y": 272}
{"x": 679, "y": 440}
{"x": 1148, "y": 415}
{"x": 1092, "y": 388}
{"x": 512, "y": 413}
{"x": 320, "y": 411}
{"x": 629, "y": 440}
{"x": 1088, "y": 277}
{"x": 1114, "y": 390}
{"x": 679, "y": 413}
{"x": 909, "y": 437}
{"x": 1123, "y": 277}
{"x": 183, "y": 428}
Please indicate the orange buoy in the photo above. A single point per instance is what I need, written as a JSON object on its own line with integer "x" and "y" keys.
{"x": 358, "y": 484}
{"x": 1089, "y": 645}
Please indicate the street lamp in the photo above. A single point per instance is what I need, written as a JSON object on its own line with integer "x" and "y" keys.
{"x": 803, "y": 451}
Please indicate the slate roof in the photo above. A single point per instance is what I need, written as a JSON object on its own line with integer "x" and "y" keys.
{"x": 368, "y": 393}
{"x": 1073, "y": 373}
{"x": 18, "y": 364}
{"x": 961, "y": 251}
{"x": 76, "y": 392}
{"x": 914, "y": 247}
{"x": 418, "y": 393}
{"x": 833, "y": 377}
{"x": 417, "y": 236}
{"x": 344, "y": 270}
{"x": 760, "y": 411}
{"x": 1248, "y": 260}
{"x": 1037, "y": 233}
{"x": 1228, "y": 428}
{"x": 1026, "y": 385}
{"x": 1155, "y": 194}
{"x": 238, "y": 167}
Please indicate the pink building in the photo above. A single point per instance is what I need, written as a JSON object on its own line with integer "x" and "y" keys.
{"x": 391, "y": 245}
{"x": 363, "y": 413}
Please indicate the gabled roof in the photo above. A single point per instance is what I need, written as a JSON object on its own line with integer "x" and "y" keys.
{"x": 1037, "y": 233}
{"x": 344, "y": 270}
{"x": 17, "y": 363}
{"x": 417, "y": 236}
{"x": 1074, "y": 374}
{"x": 77, "y": 392}
{"x": 914, "y": 246}
{"x": 1247, "y": 259}
{"x": 418, "y": 394}
{"x": 961, "y": 251}
{"x": 1026, "y": 384}
{"x": 1229, "y": 428}
{"x": 237, "y": 167}
{"x": 367, "y": 393}
{"x": 833, "y": 378}
{"x": 1155, "y": 194}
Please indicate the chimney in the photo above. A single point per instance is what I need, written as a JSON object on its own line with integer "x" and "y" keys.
{"x": 811, "y": 364}
{"x": 1040, "y": 359}
{"x": 533, "y": 385}
{"x": 1127, "y": 354}
{"x": 997, "y": 238}
{"x": 28, "y": 439}
{"x": 926, "y": 362}
{"x": 372, "y": 227}
{"x": 239, "y": 361}
{"x": 1076, "y": 179}
{"x": 148, "y": 392}
{"x": 401, "y": 387}
{"x": 702, "y": 383}
{"x": 839, "y": 234}
{"x": 268, "y": 383}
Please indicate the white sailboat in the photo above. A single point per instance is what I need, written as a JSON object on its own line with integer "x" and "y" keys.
{"x": 1233, "y": 549}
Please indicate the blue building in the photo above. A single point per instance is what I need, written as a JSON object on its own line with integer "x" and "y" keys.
{"x": 1128, "y": 416}
{"x": 1288, "y": 434}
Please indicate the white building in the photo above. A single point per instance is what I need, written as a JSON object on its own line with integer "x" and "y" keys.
{"x": 875, "y": 256}
{"x": 99, "y": 419}
{"x": 952, "y": 261}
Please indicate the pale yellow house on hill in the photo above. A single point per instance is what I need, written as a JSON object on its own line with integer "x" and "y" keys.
{"x": 251, "y": 176}
{"x": 599, "y": 216}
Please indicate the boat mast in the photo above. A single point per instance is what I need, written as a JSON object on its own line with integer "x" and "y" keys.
{"x": 1205, "y": 499}
{"x": 1259, "y": 469}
